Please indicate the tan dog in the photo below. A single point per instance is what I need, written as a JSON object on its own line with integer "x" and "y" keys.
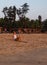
{"x": 18, "y": 39}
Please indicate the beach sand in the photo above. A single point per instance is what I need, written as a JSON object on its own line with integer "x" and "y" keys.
{"x": 30, "y": 50}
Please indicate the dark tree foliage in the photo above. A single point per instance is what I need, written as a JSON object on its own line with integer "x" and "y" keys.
{"x": 25, "y": 8}
{"x": 9, "y": 20}
{"x": 22, "y": 11}
{"x": 39, "y": 18}
{"x": 44, "y": 26}
{"x": 10, "y": 13}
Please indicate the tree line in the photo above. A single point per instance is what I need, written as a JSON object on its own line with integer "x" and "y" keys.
{"x": 9, "y": 21}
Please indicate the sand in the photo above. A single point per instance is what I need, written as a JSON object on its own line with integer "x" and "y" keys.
{"x": 31, "y": 49}
{"x": 27, "y": 43}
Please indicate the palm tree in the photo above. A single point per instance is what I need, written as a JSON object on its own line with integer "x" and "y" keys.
{"x": 25, "y": 9}
{"x": 40, "y": 20}
{"x": 5, "y": 11}
{"x": 19, "y": 12}
{"x": 10, "y": 13}
{"x": 22, "y": 11}
{"x": 14, "y": 12}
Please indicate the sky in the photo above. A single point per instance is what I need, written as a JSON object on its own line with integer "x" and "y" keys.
{"x": 36, "y": 7}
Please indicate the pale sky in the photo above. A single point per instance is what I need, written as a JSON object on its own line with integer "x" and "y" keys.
{"x": 36, "y": 7}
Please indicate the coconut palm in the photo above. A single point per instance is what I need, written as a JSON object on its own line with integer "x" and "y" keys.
{"x": 25, "y": 8}
{"x": 5, "y": 11}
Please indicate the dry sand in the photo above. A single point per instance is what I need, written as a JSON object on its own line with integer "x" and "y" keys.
{"x": 30, "y": 50}
{"x": 27, "y": 43}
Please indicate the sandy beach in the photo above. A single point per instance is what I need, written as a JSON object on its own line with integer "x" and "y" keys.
{"x": 30, "y": 50}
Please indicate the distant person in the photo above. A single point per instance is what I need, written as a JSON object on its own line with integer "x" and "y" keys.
{"x": 14, "y": 35}
{"x": 16, "y": 38}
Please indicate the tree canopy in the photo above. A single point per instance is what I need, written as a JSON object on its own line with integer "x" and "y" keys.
{"x": 9, "y": 20}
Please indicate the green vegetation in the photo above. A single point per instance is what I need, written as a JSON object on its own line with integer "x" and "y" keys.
{"x": 9, "y": 21}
